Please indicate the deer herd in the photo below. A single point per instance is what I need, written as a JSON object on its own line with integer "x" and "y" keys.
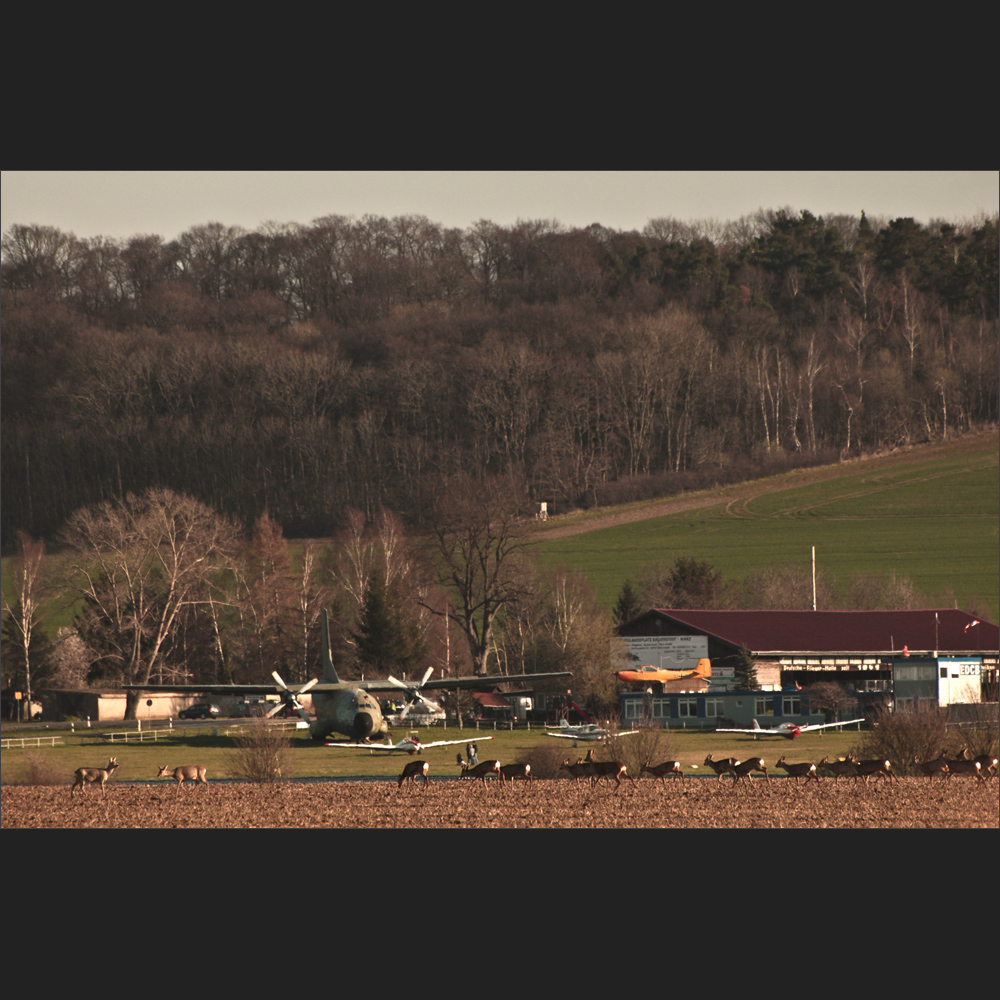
{"x": 982, "y": 767}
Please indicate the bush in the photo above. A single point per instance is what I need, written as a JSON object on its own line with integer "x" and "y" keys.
{"x": 263, "y": 753}
{"x": 38, "y": 770}
{"x": 902, "y": 736}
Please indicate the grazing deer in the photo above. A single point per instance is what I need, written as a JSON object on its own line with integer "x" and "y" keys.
{"x": 90, "y": 775}
{"x": 415, "y": 769}
{"x": 743, "y": 768}
{"x": 480, "y": 770}
{"x": 840, "y": 768}
{"x": 662, "y": 770}
{"x": 796, "y": 771}
{"x": 191, "y": 772}
{"x": 931, "y": 767}
{"x": 508, "y": 772}
{"x": 601, "y": 769}
{"x": 721, "y": 767}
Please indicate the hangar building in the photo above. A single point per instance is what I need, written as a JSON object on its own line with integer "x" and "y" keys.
{"x": 905, "y": 659}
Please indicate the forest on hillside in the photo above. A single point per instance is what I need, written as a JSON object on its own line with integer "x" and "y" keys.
{"x": 305, "y": 370}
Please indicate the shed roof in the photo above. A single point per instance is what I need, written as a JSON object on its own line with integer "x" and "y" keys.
{"x": 946, "y": 630}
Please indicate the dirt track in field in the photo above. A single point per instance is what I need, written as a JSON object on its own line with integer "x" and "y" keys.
{"x": 695, "y": 803}
{"x": 738, "y": 495}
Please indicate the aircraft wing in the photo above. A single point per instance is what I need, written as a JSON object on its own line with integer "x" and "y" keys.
{"x": 828, "y": 725}
{"x": 456, "y": 683}
{"x": 759, "y": 732}
{"x": 393, "y": 748}
{"x": 448, "y": 743}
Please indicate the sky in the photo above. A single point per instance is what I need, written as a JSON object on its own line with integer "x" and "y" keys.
{"x": 168, "y": 203}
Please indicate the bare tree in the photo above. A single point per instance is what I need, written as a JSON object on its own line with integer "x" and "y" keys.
{"x": 478, "y": 527}
{"x": 23, "y": 610}
{"x": 138, "y": 562}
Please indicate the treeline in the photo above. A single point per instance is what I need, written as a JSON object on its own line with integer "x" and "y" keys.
{"x": 304, "y": 370}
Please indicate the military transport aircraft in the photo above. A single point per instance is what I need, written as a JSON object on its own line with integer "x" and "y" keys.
{"x": 344, "y": 706}
{"x": 787, "y": 729}
{"x": 410, "y": 745}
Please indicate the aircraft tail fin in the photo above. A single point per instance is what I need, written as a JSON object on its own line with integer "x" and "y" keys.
{"x": 756, "y": 725}
{"x": 704, "y": 667}
{"x": 329, "y": 671}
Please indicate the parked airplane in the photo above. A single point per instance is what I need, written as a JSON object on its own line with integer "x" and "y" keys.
{"x": 587, "y": 731}
{"x": 660, "y": 675}
{"x": 410, "y": 745}
{"x": 344, "y": 707}
{"x": 787, "y": 729}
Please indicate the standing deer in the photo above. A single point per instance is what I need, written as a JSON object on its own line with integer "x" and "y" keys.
{"x": 190, "y": 772}
{"x": 721, "y": 767}
{"x": 962, "y": 765}
{"x": 804, "y": 770}
{"x": 90, "y": 775}
{"x": 672, "y": 767}
{"x": 877, "y": 767}
{"x": 415, "y": 769}
{"x": 840, "y": 768}
{"x": 580, "y": 769}
{"x": 508, "y": 772}
{"x": 743, "y": 768}
{"x": 931, "y": 767}
{"x": 601, "y": 769}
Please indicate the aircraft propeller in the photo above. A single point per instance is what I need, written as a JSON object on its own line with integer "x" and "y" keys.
{"x": 289, "y": 698}
{"x": 413, "y": 689}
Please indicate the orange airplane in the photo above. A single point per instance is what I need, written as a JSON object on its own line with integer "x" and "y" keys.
{"x": 660, "y": 675}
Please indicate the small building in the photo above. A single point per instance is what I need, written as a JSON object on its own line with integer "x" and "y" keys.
{"x": 907, "y": 658}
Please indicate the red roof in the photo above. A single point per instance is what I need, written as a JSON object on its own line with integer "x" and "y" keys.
{"x": 944, "y": 629}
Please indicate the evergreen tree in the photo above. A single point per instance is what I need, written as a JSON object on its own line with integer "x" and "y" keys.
{"x": 745, "y": 673}
{"x": 628, "y": 605}
{"x": 386, "y": 641}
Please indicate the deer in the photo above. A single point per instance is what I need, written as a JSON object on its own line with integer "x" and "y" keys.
{"x": 508, "y": 772}
{"x": 581, "y": 769}
{"x": 601, "y": 769}
{"x": 877, "y": 767}
{"x": 91, "y": 775}
{"x": 190, "y": 772}
{"x": 931, "y": 767}
{"x": 743, "y": 768}
{"x": 662, "y": 770}
{"x": 987, "y": 762}
{"x": 721, "y": 767}
{"x": 840, "y": 768}
{"x": 804, "y": 770}
{"x": 413, "y": 770}
{"x": 962, "y": 765}
{"x": 480, "y": 770}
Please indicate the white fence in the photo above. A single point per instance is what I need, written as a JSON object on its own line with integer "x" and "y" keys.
{"x": 30, "y": 741}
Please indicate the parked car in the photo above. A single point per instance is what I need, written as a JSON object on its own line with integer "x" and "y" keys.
{"x": 200, "y": 712}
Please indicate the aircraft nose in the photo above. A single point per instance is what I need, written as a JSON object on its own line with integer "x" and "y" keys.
{"x": 363, "y": 725}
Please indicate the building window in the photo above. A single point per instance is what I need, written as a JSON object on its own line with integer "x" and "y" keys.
{"x": 687, "y": 708}
{"x": 661, "y": 708}
{"x": 791, "y": 706}
{"x": 765, "y": 706}
{"x": 633, "y": 709}
{"x": 713, "y": 708}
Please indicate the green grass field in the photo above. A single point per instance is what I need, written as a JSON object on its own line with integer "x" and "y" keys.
{"x": 141, "y": 761}
{"x": 932, "y": 515}
{"x": 935, "y": 521}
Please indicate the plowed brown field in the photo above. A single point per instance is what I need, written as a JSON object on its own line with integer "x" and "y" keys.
{"x": 551, "y": 804}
